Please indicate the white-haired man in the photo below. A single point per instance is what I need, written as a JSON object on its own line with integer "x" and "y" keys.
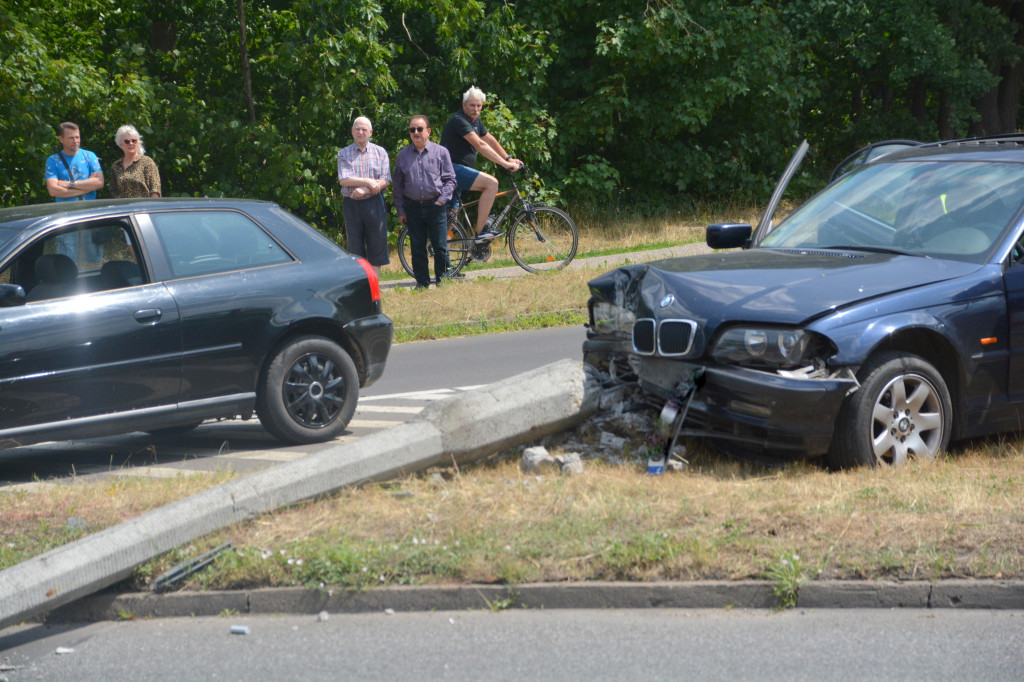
{"x": 364, "y": 171}
{"x": 464, "y": 136}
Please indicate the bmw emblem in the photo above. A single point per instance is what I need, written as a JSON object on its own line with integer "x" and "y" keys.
{"x": 668, "y": 300}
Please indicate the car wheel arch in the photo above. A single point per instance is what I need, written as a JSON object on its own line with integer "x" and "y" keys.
{"x": 935, "y": 349}
{"x": 324, "y": 329}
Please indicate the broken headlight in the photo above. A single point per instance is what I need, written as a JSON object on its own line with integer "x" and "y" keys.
{"x": 608, "y": 318}
{"x": 764, "y": 347}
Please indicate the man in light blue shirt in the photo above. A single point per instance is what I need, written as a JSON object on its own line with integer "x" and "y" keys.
{"x": 74, "y": 173}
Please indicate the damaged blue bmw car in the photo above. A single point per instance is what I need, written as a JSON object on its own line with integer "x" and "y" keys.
{"x": 877, "y": 322}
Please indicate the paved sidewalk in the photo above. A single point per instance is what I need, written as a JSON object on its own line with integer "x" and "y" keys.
{"x": 597, "y": 263}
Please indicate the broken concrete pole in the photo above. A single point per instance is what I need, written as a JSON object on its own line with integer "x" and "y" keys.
{"x": 503, "y": 414}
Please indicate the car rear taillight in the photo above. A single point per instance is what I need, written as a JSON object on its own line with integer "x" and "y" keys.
{"x": 371, "y": 274}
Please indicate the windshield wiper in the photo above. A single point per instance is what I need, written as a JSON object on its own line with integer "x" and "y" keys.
{"x": 873, "y": 249}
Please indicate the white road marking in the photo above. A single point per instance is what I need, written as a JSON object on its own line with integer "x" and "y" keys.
{"x": 272, "y": 456}
{"x": 158, "y": 472}
{"x": 372, "y": 423}
{"x": 435, "y": 394}
{"x": 391, "y": 409}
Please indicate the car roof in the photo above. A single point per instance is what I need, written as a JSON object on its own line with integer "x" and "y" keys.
{"x": 1009, "y": 148}
{"x": 100, "y": 207}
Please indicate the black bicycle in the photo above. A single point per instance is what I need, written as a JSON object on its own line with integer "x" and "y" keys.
{"x": 540, "y": 237}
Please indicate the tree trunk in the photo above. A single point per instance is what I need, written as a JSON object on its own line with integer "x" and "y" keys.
{"x": 246, "y": 76}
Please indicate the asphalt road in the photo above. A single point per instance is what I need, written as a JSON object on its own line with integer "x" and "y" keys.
{"x": 416, "y": 374}
{"x": 591, "y": 645}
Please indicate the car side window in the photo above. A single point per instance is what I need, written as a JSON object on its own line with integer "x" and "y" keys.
{"x": 209, "y": 242}
{"x": 79, "y": 260}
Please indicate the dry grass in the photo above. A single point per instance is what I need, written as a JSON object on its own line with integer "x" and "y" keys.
{"x": 486, "y": 305}
{"x": 957, "y": 517}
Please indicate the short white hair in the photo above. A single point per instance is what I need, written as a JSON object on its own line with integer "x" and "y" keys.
{"x": 362, "y": 118}
{"x": 126, "y": 130}
{"x": 473, "y": 93}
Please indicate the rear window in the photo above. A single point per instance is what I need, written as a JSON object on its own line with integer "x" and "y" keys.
{"x": 208, "y": 242}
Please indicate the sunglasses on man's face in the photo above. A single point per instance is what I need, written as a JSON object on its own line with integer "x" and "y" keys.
{"x": 415, "y": 129}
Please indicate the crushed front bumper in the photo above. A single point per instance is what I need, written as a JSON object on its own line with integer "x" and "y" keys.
{"x": 754, "y": 410}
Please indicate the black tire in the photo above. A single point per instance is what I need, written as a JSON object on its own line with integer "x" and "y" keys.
{"x": 902, "y": 410}
{"x": 458, "y": 250}
{"x": 308, "y": 392}
{"x": 543, "y": 238}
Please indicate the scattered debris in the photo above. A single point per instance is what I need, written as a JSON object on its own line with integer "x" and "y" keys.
{"x": 570, "y": 463}
{"x": 536, "y": 459}
{"x": 61, "y": 650}
{"x": 628, "y": 429}
{"x": 389, "y": 612}
{"x": 610, "y": 441}
{"x": 239, "y": 629}
{"x": 322, "y": 616}
{"x": 77, "y": 523}
{"x": 187, "y": 568}
{"x": 656, "y": 465}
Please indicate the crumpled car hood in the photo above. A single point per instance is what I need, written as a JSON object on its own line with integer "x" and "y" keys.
{"x": 764, "y": 285}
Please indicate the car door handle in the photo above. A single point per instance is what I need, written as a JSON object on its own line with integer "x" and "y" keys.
{"x": 148, "y": 316}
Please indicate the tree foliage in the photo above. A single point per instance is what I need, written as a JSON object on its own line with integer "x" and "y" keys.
{"x": 648, "y": 103}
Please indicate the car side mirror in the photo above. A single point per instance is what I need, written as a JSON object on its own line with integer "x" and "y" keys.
{"x": 11, "y": 295}
{"x": 728, "y": 235}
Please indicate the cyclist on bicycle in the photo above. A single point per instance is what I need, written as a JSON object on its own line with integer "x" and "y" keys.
{"x": 464, "y": 136}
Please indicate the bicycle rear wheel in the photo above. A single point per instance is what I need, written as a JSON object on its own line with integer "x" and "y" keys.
{"x": 543, "y": 238}
{"x": 458, "y": 251}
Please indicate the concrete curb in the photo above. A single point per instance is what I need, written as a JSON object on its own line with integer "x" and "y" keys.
{"x": 712, "y": 594}
{"x": 497, "y": 416}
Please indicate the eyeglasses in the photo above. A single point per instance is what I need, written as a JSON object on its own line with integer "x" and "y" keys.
{"x": 127, "y": 141}
{"x": 415, "y": 129}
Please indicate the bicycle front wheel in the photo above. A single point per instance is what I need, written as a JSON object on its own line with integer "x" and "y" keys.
{"x": 458, "y": 251}
{"x": 404, "y": 250}
{"x": 543, "y": 238}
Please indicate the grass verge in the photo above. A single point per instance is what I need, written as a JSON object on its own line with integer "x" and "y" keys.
{"x": 956, "y": 517}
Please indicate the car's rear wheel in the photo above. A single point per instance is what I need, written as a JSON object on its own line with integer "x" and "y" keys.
{"x": 901, "y": 411}
{"x": 309, "y": 391}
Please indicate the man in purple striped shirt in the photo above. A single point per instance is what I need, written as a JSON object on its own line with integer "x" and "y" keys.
{"x": 424, "y": 182}
{"x": 364, "y": 172}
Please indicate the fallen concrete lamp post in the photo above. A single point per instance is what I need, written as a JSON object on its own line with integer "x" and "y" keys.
{"x": 461, "y": 429}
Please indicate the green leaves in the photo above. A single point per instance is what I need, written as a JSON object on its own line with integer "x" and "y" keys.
{"x": 648, "y": 103}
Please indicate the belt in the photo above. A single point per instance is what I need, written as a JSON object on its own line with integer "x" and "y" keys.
{"x": 421, "y": 202}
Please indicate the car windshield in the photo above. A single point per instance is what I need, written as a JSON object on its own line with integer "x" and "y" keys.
{"x": 941, "y": 209}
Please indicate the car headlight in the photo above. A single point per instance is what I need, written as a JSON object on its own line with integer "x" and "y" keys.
{"x": 608, "y": 318}
{"x": 762, "y": 346}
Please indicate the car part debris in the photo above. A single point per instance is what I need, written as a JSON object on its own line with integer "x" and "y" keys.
{"x": 188, "y": 567}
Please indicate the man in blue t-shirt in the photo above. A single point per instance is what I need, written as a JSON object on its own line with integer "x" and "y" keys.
{"x": 463, "y": 136}
{"x": 74, "y": 173}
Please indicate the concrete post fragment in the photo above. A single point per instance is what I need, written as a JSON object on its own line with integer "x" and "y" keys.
{"x": 514, "y": 411}
{"x": 461, "y": 428}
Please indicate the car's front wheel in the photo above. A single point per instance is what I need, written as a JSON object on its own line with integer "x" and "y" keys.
{"x": 901, "y": 411}
{"x": 309, "y": 391}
